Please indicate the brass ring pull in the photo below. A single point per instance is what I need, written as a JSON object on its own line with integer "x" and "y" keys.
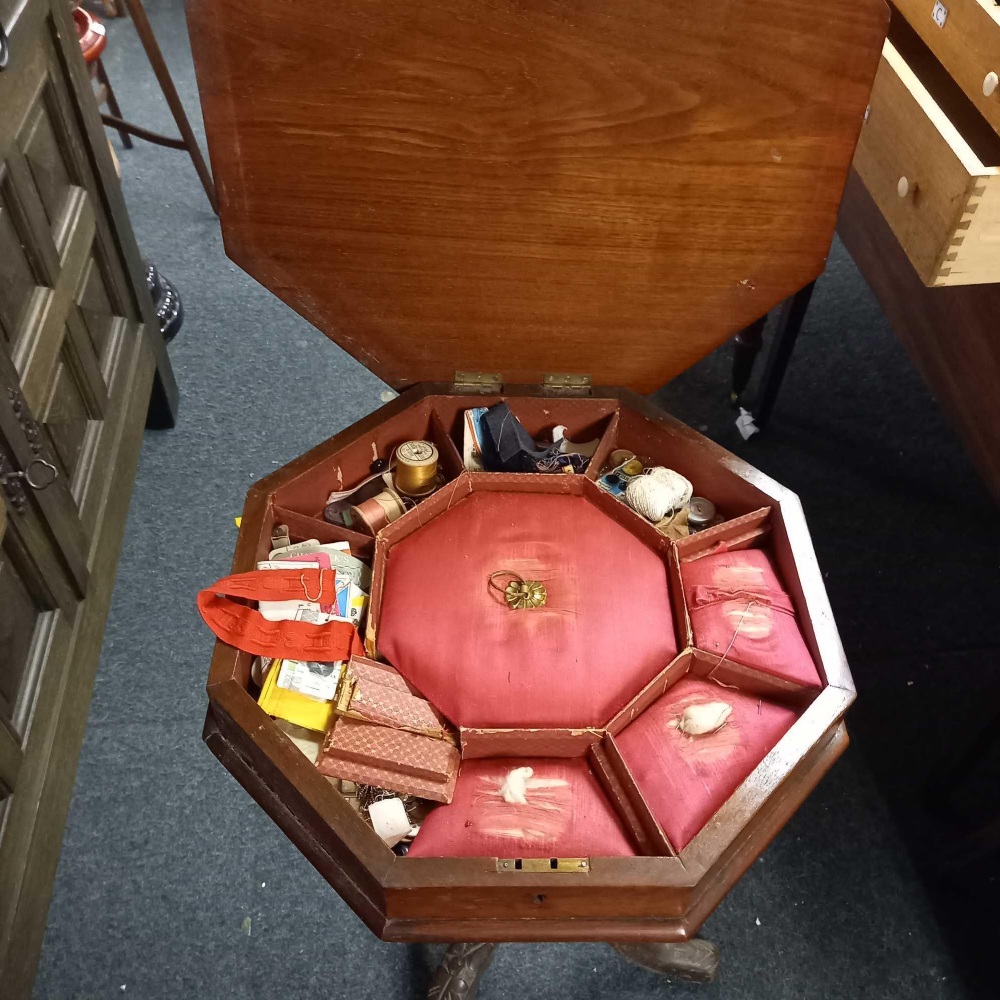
{"x": 519, "y": 593}
{"x": 46, "y": 480}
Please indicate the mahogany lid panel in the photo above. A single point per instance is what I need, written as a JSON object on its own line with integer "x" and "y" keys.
{"x": 580, "y": 187}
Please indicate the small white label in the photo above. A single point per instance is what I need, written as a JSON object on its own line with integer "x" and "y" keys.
{"x": 389, "y": 820}
{"x": 745, "y": 424}
{"x": 939, "y": 13}
{"x": 314, "y": 680}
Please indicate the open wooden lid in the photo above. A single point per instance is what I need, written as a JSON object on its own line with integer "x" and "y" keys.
{"x": 526, "y": 189}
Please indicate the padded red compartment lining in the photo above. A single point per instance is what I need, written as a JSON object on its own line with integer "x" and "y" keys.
{"x": 605, "y": 631}
{"x": 566, "y": 815}
{"x": 739, "y": 609}
{"x": 685, "y": 779}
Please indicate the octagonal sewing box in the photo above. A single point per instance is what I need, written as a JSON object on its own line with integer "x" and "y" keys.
{"x": 518, "y": 203}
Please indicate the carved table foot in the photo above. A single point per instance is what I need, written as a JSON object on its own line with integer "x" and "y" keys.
{"x": 458, "y": 975}
{"x": 697, "y": 961}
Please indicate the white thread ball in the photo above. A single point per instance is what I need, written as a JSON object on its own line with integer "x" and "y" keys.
{"x": 515, "y": 786}
{"x": 657, "y": 492}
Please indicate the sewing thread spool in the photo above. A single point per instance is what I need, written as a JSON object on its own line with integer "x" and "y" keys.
{"x": 416, "y": 468}
{"x": 378, "y": 511}
{"x": 701, "y": 513}
{"x": 658, "y": 492}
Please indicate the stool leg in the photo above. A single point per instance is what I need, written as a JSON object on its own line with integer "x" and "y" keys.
{"x": 145, "y": 32}
{"x": 102, "y": 78}
{"x": 747, "y": 345}
{"x": 458, "y": 975}
{"x": 696, "y": 961}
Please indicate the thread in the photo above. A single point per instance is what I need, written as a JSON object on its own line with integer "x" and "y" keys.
{"x": 515, "y": 785}
{"x": 416, "y": 468}
{"x": 703, "y": 719}
{"x": 378, "y": 511}
{"x": 658, "y": 492}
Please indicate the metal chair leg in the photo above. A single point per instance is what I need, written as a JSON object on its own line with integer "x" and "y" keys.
{"x": 790, "y": 320}
{"x": 747, "y": 345}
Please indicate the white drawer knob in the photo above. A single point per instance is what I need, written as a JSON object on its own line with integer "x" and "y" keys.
{"x": 990, "y": 84}
{"x": 903, "y": 187}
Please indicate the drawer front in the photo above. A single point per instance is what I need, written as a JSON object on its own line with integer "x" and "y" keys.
{"x": 965, "y": 36}
{"x": 940, "y": 199}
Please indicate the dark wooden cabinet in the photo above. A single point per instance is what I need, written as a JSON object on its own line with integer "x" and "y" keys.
{"x": 78, "y": 349}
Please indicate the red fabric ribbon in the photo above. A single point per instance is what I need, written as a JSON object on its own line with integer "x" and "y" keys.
{"x": 245, "y": 628}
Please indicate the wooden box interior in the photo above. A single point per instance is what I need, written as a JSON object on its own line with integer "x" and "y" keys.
{"x": 757, "y": 513}
{"x": 517, "y": 194}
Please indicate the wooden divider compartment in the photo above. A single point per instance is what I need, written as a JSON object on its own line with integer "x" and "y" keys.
{"x": 584, "y": 418}
{"x": 349, "y": 466}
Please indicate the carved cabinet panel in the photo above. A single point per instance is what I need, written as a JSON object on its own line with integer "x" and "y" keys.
{"x": 76, "y": 363}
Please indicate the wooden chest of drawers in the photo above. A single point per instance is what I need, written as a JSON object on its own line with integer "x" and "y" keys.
{"x": 931, "y": 160}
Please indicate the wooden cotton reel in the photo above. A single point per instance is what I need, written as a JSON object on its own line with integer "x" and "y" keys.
{"x": 380, "y": 510}
{"x": 416, "y": 468}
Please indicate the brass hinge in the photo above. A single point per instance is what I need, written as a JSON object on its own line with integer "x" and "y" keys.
{"x": 484, "y": 382}
{"x": 562, "y": 384}
{"x": 578, "y": 866}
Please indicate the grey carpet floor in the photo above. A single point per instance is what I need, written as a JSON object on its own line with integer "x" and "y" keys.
{"x": 172, "y": 883}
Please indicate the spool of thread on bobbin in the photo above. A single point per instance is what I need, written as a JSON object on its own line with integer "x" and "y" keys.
{"x": 657, "y": 493}
{"x": 416, "y": 468}
{"x": 378, "y": 511}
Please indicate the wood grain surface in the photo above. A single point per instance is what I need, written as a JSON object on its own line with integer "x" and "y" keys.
{"x": 933, "y": 176}
{"x": 532, "y": 188}
{"x": 968, "y": 45}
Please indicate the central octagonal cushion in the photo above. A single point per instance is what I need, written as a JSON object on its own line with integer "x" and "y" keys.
{"x": 606, "y": 628}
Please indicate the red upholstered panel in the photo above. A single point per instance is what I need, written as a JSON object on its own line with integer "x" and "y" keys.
{"x": 566, "y": 815}
{"x": 684, "y": 779}
{"x": 605, "y": 631}
{"x": 739, "y": 594}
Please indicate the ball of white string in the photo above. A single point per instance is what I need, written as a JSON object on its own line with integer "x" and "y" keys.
{"x": 658, "y": 492}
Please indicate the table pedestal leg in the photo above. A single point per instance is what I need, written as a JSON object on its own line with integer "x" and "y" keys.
{"x": 458, "y": 975}
{"x": 696, "y": 961}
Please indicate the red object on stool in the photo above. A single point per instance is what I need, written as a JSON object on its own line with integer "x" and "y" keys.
{"x": 92, "y": 34}
{"x": 93, "y": 40}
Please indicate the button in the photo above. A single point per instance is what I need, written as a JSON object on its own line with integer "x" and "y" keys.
{"x": 903, "y": 187}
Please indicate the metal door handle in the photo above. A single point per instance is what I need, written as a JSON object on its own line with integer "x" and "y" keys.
{"x": 39, "y": 474}
{"x": 4, "y": 48}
